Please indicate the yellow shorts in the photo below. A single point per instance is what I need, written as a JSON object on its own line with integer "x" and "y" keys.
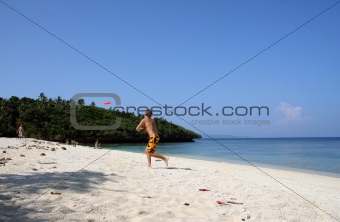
{"x": 153, "y": 141}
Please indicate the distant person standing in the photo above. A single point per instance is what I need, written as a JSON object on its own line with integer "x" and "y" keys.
{"x": 20, "y": 131}
{"x": 149, "y": 125}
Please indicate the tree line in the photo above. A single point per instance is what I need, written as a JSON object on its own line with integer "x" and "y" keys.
{"x": 49, "y": 119}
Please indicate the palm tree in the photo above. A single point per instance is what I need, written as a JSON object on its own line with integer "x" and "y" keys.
{"x": 80, "y": 103}
{"x": 43, "y": 100}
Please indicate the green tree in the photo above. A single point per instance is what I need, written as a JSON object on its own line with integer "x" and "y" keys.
{"x": 47, "y": 118}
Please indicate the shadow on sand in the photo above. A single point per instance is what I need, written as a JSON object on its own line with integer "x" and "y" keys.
{"x": 19, "y": 193}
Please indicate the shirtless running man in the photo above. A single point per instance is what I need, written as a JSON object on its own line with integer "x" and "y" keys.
{"x": 149, "y": 125}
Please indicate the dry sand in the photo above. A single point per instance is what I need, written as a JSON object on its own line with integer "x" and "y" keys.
{"x": 86, "y": 184}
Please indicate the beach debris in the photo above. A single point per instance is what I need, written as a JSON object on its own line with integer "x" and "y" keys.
{"x": 233, "y": 202}
{"x": 142, "y": 212}
{"x": 22, "y": 155}
{"x": 186, "y": 204}
{"x": 47, "y": 161}
{"x": 42, "y": 154}
{"x": 53, "y": 149}
{"x": 146, "y": 197}
{"x": 3, "y": 161}
{"x": 4, "y": 151}
{"x": 248, "y": 217}
{"x": 34, "y": 169}
{"x": 8, "y": 158}
{"x": 221, "y": 203}
{"x": 55, "y": 193}
{"x": 63, "y": 148}
{"x": 203, "y": 189}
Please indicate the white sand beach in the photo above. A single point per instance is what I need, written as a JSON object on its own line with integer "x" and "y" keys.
{"x": 47, "y": 181}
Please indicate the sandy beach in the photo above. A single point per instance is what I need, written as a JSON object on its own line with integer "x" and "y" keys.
{"x": 48, "y": 181}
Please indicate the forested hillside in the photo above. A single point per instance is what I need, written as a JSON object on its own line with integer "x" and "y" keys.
{"x": 47, "y": 118}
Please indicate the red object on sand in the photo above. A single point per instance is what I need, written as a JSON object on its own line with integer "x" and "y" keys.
{"x": 220, "y": 203}
{"x": 204, "y": 189}
{"x": 107, "y": 103}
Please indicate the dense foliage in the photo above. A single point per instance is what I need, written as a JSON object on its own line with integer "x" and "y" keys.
{"x": 46, "y": 118}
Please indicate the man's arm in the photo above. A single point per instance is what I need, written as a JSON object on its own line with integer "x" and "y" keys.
{"x": 141, "y": 125}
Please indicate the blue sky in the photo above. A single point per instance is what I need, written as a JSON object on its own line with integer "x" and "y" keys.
{"x": 171, "y": 50}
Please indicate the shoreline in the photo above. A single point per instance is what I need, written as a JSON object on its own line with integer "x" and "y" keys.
{"x": 82, "y": 183}
{"x": 240, "y": 162}
{"x": 267, "y": 166}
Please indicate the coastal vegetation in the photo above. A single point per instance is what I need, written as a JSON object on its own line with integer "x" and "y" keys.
{"x": 49, "y": 119}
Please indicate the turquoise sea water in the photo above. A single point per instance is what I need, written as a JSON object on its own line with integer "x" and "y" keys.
{"x": 315, "y": 155}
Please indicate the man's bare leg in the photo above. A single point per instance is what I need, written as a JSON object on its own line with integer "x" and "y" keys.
{"x": 149, "y": 159}
{"x": 166, "y": 159}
